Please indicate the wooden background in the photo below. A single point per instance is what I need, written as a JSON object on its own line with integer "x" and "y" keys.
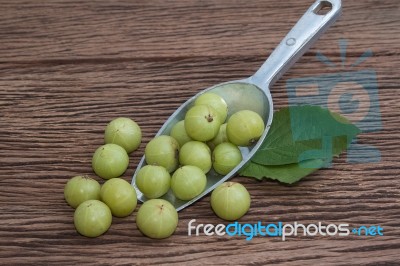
{"x": 69, "y": 67}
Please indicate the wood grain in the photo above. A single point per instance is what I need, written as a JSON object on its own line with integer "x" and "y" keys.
{"x": 69, "y": 67}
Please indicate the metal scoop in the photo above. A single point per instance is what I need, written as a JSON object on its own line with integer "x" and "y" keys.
{"x": 253, "y": 93}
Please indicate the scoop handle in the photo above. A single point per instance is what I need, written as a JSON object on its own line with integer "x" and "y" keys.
{"x": 317, "y": 19}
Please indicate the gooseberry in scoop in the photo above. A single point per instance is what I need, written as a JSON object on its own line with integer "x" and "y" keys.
{"x": 244, "y": 128}
{"x": 153, "y": 181}
{"x": 226, "y": 157}
{"x": 196, "y": 153}
{"x": 178, "y": 132}
{"x": 202, "y": 122}
{"x": 216, "y": 102}
{"x": 163, "y": 151}
{"x": 188, "y": 182}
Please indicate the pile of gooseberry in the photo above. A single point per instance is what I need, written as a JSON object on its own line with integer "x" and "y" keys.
{"x": 204, "y": 141}
{"x": 95, "y": 204}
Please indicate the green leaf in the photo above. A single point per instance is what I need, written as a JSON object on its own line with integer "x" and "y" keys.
{"x": 288, "y": 173}
{"x": 301, "y": 140}
{"x": 301, "y": 133}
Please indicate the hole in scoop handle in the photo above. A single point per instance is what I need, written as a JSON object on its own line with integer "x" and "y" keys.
{"x": 306, "y": 31}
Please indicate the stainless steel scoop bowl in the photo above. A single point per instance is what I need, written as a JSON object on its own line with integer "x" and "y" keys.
{"x": 253, "y": 93}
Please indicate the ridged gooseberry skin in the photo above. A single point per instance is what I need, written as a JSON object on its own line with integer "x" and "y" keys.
{"x": 216, "y": 102}
{"x": 92, "y": 218}
{"x": 202, "y": 122}
{"x": 196, "y": 153}
{"x": 188, "y": 182}
{"x": 120, "y": 197}
{"x": 157, "y": 218}
{"x": 124, "y": 132}
{"x": 81, "y": 188}
{"x": 230, "y": 201}
{"x": 219, "y": 138}
{"x": 244, "y": 128}
{"x": 110, "y": 161}
{"x": 163, "y": 151}
{"x": 178, "y": 132}
{"x": 153, "y": 181}
{"x": 226, "y": 157}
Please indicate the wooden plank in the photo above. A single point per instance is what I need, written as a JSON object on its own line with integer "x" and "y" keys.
{"x": 74, "y": 30}
{"x": 69, "y": 67}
